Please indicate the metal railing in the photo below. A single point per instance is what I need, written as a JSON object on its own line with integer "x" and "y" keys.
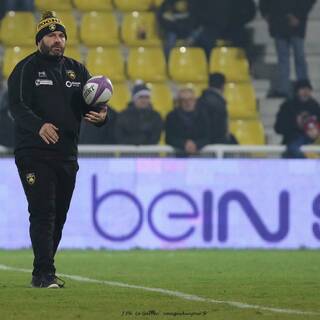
{"x": 212, "y": 151}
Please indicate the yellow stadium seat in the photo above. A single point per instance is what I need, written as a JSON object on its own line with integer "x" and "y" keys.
{"x": 130, "y": 5}
{"x": 232, "y": 62}
{"x": 106, "y": 61}
{"x": 157, "y": 3}
{"x": 147, "y": 64}
{"x": 12, "y": 56}
{"x": 248, "y": 131}
{"x": 161, "y": 98}
{"x": 241, "y": 100}
{"x": 139, "y": 29}
{"x": 73, "y": 52}
{"x": 99, "y": 29}
{"x": 197, "y": 87}
{"x": 93, "y": 5}
{"x": 18, "y": 29}
{"x": 71, "y": 26}
{"x": 121, "y": 96}
{"x": 188, "y": 65}
{"x": 59, "y": 5}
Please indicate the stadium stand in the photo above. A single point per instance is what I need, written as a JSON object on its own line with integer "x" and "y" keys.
{"x": 248, "y": 131}
{"x": 188, "y": 65}
{"x": 121, "y": 96}
{"x": 18, "y": 29}
{"x": 132, "y": 44}
{"x": 129, "y": 5}
{"x": 139, "y": 29}
{"x": 232, "y": 62}
{"x": 106, "y": 61}
{"x": 74, "y": 53}
{"x": 93, "y": 5}
{"x": 161, "y": 98}
{"x": 93, "y": 29}
{"x": 12, "y": 55}
{"x": 59, "y": 5}
{"x": 147, "y": 64}
{"x": 241, "y": 100}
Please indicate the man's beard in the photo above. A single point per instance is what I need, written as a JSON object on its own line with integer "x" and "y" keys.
{"x": 49, "y": 52}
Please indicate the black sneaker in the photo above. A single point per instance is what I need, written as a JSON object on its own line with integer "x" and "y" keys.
{"x": 50, "y": 281}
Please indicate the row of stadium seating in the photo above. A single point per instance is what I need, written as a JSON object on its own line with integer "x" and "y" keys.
{"x": 95, "y": 28}
{"x": 186, "y": 66}
{"x": 99, "y": 5}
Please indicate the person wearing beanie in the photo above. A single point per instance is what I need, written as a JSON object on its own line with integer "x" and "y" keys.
{"x": 139, "y": 124}
{"x": 293, "y": 118}
{"x": 45, "y": 100}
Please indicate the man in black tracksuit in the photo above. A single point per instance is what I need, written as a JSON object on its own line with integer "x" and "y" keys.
{"x": 45, "y": 96}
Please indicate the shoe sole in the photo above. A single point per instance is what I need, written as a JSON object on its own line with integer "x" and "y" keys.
{"x": 53, "y": 286}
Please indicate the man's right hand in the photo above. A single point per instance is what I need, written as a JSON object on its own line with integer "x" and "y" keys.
{"x": 48, "y": 133}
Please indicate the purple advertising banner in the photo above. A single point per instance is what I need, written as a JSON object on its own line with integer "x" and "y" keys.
{"x": 178, "y": 203}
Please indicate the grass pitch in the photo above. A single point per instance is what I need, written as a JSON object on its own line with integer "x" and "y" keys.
{"x": 278, "y": 279}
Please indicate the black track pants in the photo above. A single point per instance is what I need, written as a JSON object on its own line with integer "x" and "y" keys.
{"x": 48, "y": 185}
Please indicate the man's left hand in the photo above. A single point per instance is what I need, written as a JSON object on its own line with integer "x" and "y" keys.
{"x": 96, "y": 117}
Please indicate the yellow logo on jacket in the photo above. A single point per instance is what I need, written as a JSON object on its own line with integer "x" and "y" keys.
{"x": 31, "y": 178}
{"x": 71, "y": 74}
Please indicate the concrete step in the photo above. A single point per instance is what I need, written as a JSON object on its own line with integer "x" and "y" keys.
{"x": 313, "y": 65}
{"x": 269, "y": 106}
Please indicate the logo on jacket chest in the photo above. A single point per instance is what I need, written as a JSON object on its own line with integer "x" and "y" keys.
{"x": 71, "y": 74}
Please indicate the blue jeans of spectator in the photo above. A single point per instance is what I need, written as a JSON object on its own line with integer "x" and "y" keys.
{"x": 293, "y": 148}
{"x": 19, "y": 5}
{"x": 283, "y": 47}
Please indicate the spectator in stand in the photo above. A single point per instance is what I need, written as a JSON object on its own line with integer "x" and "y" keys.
{"x": 139, "y": 124}
{"x": 287, "y": 20}
{"x": 18, "y": 5}
{"x": 298, "y": 118}
{"x": 15, "y": 5}
{"x": 90, "y": 134}
{"x": 216, "y": 19}
{"x": 176, "y": 22}
{"x": 6, "y": 123}
{"x": 186, "y": 126}
{"x": 214, "y": 106}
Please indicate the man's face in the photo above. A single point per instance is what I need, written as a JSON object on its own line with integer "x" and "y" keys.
{"x": 187, "y": 100}
{"x": 142, "y": 102}
{"x": 304, "y": 94}
{"x": 53, "y": 44}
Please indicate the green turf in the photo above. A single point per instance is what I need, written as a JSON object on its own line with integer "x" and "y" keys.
{"x": 280, "y": 279}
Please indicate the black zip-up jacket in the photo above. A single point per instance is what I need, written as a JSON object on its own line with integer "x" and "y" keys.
{"x": 276, "y": 11}
{"x": 44, "y": 89}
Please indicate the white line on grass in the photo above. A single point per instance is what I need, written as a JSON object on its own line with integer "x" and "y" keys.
{"x": 177, "y": 294}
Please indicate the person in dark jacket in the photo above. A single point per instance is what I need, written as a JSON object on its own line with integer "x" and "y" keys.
{"x": 176, "y": 22}
{"x": 139, "y": 124}
{"x": 216, "y": 19}
{"x": 186, "y": 127}
{"x": 45, "y": 98}
{"x": 90, "y": 134}
{"x": 296, "y": 117}
{"x": 213, "y": 104}
{"x": 6, "y": 123}
{"x": 287, "y": 21}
